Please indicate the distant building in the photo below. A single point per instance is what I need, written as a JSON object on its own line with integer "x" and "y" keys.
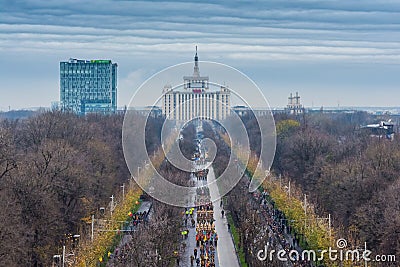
{"x": 195, "y": 100}
{"x": 260, "y": 112}
{"x": 88, "y": 86}
{"x": 151, "y": 111}
{"x": 242, "y": 111}
{"x": 294, "y": 106}
{"x": 383, "y": 129}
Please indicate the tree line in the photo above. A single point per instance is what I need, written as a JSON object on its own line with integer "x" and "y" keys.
{"x": 344, "y": 171}
{"x": 56, "y": 169}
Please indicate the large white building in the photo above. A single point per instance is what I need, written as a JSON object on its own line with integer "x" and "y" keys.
{"x": 195, "y": 100}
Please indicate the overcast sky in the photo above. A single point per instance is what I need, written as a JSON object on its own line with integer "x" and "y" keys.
{"x": 333, "y": 53}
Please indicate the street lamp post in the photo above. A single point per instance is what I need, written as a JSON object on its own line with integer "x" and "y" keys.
{"x": 288, "y": 189}
{"x": 131, "y": 181}
{"x": 330, "y": 226}
{"x": 123, "y": 191}
{"x": 305, "y": 211}
{"x": 92, "y": 232}
{"x": 112, "y": 205}
{"x": 63, "y": 256}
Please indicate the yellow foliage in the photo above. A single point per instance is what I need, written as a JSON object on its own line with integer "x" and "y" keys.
{"x": 91, "y": 252}
{"x": 315, "y": 231}
{"x": 284, "y": 127}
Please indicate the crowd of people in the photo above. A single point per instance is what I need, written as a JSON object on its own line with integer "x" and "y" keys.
{"x": 187, "y": 217}
{"x": 206, "y": 236}
{"x": 136, "y": 218}
{"x": 121, "y": 254}
{"x": 202, "y": 196}
{"x": 202, "y": 220}
{"x": 205, "y": 228}
{"x": 278, "y": 229}
{"x": 201, "y": 174}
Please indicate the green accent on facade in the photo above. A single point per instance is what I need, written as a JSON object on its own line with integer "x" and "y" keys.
{"x": 100, "y": 61}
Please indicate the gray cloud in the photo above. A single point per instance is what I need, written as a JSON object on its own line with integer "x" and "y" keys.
{"x": 131, "y": 24}
{"x": 259, "y": 34}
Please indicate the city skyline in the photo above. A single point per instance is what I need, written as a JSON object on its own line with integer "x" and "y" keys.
{"x": 333, "y": 53}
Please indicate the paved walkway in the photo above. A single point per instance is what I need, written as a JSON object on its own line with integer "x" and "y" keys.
{"x": 227, "y": 256}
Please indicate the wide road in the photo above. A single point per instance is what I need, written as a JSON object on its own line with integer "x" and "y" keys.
{"x": 191, "y": 240}
{"x": 226, "y": 250}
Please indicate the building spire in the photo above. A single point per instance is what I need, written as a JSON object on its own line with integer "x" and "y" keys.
{"x": 196, "y": 72}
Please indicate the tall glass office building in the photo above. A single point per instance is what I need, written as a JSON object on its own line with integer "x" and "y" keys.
{"x": 88, "y": 86}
